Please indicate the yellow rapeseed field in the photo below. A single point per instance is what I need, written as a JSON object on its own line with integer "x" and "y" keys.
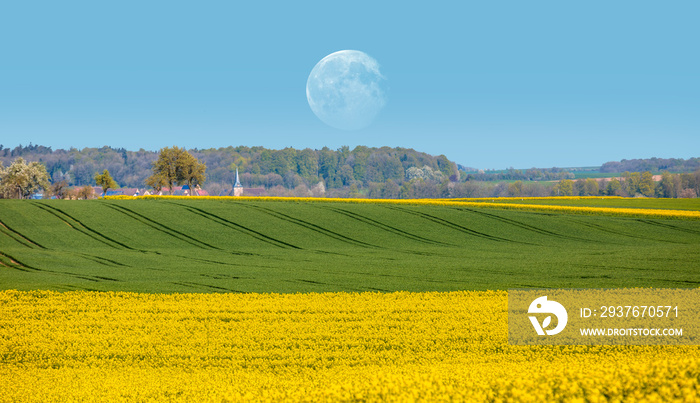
{"x": 310, "y": 347}
{"x": 471, "y": 203}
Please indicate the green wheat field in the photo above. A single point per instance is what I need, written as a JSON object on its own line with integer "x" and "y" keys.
{"x": 294, "y": 246}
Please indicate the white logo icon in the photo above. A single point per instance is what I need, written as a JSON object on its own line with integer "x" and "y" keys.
{"x": 541, "y": 305}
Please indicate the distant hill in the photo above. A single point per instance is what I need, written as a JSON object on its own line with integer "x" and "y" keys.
{"x": 652, "y": 165}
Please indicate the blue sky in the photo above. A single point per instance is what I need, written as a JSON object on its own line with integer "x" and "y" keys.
{"x": 488, "y": 84}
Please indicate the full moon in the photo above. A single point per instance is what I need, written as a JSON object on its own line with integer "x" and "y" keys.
{"x": 346, "y": 90}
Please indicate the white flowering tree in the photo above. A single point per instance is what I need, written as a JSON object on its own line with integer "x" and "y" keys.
{"x": 20, "y": 180}
{"x": 426, "y": 173}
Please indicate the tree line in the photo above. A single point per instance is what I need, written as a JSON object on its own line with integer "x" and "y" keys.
{"x": 361, "y": 172}
{"x": 174, "y": 166}
{"x": 632, "y": 184}
{"x": 288, "y": 168}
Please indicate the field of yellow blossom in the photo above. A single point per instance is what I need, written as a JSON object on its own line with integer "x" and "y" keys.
{"x": 434, "y": 346}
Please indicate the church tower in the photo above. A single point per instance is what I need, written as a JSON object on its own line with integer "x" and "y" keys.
{"x": 237, "y": 187}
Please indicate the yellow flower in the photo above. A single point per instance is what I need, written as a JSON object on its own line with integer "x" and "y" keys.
{"x": 429, "y": 346}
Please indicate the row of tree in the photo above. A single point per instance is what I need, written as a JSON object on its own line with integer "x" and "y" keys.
{"x": 627, "y": 185}
{"x": 288, "y": 167}
{"x": 21, "y": 180}
{"x": 361, "y": 172}
{"x": 174, "y": 166}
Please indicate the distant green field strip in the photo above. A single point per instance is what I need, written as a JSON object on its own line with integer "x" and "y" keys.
{"x": 602, "y": 211}
{"x": 628, "y": 207}
{"x": 638, "y": 203}
{"x": 580, "y": 205}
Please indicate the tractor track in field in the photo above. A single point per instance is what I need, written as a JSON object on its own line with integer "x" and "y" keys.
{"x": 18, "y": 237}
{"x": 191, "y": 284}
{"x": 94, "y": 279}
{"x": 385, "y": 275}
{"x": 668, "y": 226}
{"x": 620, "y": 233}
{"x": 102, "y": 260}
{"x": 88, "y": 277}
{"x": 162, "y": 227}
{"x": 204, "y": 260}
{"x": 238, "y": 227}
{"x": 527, "y": 227}
{"x": 319, "y": 283}
{"x": 384, "y": 227}
{"x": 455, "y": 226}
{"x": 80, "y": 227}
{"x": 13, "y": 263}
{"x": 225, "y": 277}
{"x": 313, "y": 227}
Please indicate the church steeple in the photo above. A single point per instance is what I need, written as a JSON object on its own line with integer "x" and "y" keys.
{"x": 238, "y": 182}
{"x": 237, "y": 187}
